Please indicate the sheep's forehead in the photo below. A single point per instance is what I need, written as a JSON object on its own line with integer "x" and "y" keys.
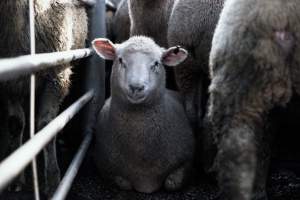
{"x": 139, "y": 45}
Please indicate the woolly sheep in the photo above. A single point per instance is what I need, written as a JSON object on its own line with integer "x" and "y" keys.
{"x": 121, "y": 23}
{"x": 191, "y": 25}
{"x": 118, "y": 23}
{"x": 143, "y": 138}
{"x": 254, "y": 66}
{"x": 150, "y": 18}
{"x": 59, "y": 26}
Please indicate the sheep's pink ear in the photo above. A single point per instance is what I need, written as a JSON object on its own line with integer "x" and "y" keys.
{"x": 104, "y": 48}
{"x": 174, "y": 56}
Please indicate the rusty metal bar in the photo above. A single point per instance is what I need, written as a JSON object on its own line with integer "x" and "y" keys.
{"x": 19, "y": 159}
{"x": 14, "y": 67}
{"x": 72, "y": 171}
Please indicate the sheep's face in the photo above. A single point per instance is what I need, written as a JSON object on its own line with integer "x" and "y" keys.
{"x": 138, "y": 74}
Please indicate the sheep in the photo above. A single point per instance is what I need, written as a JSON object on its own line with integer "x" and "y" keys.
{"x": 143, "y": 138}
{"x": 121, "y": 23}
{"x": 150, "y": 18}
{"x": 59, "y": 26}
{"x": 254, "y": 67}
{"x": 118, "y": 23}
{"x": 191, "y": 25}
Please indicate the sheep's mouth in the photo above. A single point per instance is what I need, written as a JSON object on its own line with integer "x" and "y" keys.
{"x": 136, "y": 99}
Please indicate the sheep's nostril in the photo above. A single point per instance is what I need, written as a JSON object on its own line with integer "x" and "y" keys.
{"x": 136, "y": 88}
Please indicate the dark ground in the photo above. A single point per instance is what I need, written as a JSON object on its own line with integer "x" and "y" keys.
{"x": 283, "y": 185}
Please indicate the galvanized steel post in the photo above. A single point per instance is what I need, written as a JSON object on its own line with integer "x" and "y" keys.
{"x": 95, "y": 70}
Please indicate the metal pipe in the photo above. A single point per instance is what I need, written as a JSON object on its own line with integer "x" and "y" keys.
{"x": 90, "y": 3}
{"x": 19, "y": 159}
{"x": 110, "y": 6}
{"x": 32, "y": 100}
{"x": 95, "y": 69}
{"x": 66, "y": 183}
{"x": 14, "y": 67}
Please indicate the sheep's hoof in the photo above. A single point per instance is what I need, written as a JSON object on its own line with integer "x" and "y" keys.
{"x": 175, "y": 180}
{"x": 123, "y": 183}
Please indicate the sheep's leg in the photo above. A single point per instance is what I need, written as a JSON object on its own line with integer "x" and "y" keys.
{"x": 51, "y": 168}
{"x": 54, "y": 91}
{"x": 295, "y": 72}
{"x": 188, "y": 83}
{"x": 236, "y": 163}
{"x": 16, "y": 126}
{"x": 178, "y": 178}
{"x": 201, "y": 99}
{"x": 51, "y": 171}
{"x": 242, "y": 162}
{"x": 263, "y": 152}
{"x": 237, "y": 129}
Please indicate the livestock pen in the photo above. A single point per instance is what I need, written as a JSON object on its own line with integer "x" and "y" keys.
{"x": 87, "y": 185}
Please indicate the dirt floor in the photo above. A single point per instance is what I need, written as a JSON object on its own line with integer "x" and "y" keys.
{"x": 283, "y": 185}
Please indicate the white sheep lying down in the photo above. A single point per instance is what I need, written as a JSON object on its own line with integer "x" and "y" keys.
{"x": 143, "y": 137}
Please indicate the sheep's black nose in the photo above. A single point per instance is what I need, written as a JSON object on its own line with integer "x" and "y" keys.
{"x": 136, "y": 88}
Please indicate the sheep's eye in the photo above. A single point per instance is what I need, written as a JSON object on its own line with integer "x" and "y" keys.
{"x": 120, "y": 60}
{"x": 122, "y": 63}
{"x": 155, "y": 65}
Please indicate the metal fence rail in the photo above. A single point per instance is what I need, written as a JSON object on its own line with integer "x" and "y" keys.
{"x": 24, "y": 65}
{"x": 71, "y": 173}
{"x": 24, "y": 155}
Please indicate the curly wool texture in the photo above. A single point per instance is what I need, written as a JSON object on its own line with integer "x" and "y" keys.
{"x": 59, "y": 27}
{"x": 254, "y": 63}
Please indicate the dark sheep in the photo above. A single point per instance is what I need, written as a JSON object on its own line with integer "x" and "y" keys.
{"x": 254, "y": 66}
{"x": 121, "y": 23}
{"x": 192, "y": 24}
{"x": 59, "y": 26}
{"x": 150, "y": 18}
